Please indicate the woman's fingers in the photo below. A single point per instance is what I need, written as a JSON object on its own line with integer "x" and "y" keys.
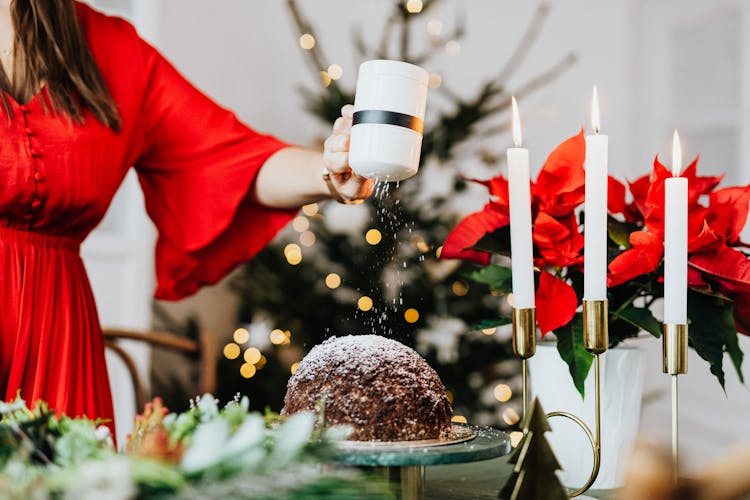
{"x": 336, "y": 163}
{"x": 337, "y": 143}
{"x": 347, "y": 111}
{"x": 342, "y": 125}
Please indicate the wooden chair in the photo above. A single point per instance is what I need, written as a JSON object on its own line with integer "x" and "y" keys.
{"x": 205, "y": 350}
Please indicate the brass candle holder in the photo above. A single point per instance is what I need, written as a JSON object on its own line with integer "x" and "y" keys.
{"x": 674, "y": 362}
{"x": 596, "y": 341}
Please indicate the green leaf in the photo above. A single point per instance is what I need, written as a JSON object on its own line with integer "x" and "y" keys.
{"x": 572, "y": 351}
{"x": 492, "y": 323}
{"x": 497, "y": 242}
{"x": 642, "y": 318}
{"x": 498, "y": 278}
{"x": 732, "y": 346}
{"x": 709, "y": 318}
{"x": 619, "y": 232}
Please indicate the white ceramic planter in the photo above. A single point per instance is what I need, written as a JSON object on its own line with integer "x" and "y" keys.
{"x": 622, "y": 371}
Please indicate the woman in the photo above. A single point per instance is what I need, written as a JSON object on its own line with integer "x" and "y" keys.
{"x": 84, "y": 99}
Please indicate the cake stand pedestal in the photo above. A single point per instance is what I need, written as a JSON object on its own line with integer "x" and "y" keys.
{"x": 403, "y": 464}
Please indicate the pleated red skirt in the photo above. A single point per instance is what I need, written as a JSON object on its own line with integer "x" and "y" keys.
{"x": 51, "y": 347}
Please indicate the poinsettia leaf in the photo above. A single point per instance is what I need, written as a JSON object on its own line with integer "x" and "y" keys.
{"x": 643, "y": 258}
{"x": 619, "y": 232}
{"x": 498, "y": 278}
{"x": 459, "y": 243}
{"x": 742, "y": 312}
{"x": 642, "y": 318}
{"x": 574, "y": 353}
{"x": 730, "y": 267}
{"x": 498, "y": 241}
{"x": 728, "y": 211}
{"x": 732, "y": 345}
{"x": 560, "y": 184}
{"x": 556, "y": 303}
{"x": 492, "y": 323}
{"x": 615, "y": 196}
{"x": 707, "y": 315}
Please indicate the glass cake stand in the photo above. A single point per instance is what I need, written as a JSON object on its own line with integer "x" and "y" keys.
{"x": 403, "y": 462}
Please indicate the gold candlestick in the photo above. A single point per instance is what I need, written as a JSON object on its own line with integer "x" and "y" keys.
{"x": 674, "y": 362}
{"x": 596, "y": 340}
{"x": 524, "y": 345}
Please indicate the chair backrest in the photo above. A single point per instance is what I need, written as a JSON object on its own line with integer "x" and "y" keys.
{"x": 205, "y": 350}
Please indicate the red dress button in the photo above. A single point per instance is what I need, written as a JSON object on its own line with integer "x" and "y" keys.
{"x": 39, "y": 177}
{"x": 36, "y": 204}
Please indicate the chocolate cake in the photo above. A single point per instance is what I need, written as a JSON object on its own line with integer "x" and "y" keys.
{"x": 384, "y": 390}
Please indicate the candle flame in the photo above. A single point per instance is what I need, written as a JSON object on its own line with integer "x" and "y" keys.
{"x": 516, "y": 123}
{"x": 676, "y": 155}
{"x": 595, "y": 121}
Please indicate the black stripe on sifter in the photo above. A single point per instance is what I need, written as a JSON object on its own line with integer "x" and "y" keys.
{"x": 389, "y": 118}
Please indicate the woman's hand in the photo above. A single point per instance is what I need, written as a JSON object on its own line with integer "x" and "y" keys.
{"x": 336, "y": 159}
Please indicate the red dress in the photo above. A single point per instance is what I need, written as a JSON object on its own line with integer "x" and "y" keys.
{"x": 196, "y": 163}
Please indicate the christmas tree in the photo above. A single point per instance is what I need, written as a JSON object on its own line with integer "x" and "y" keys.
{"x": 374, "y": 268}
{"x": 534, "y": 462}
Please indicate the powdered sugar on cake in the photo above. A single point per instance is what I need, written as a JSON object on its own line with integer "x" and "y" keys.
{"x": 382, "y": 388}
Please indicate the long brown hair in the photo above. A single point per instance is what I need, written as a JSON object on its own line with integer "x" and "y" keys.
{"x": 50, "y": 49}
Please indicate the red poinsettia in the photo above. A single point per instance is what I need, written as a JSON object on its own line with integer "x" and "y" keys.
{"x": 712, "y": 231}
{"x": 718, "y": 268}
{"x": 555, "y": 196}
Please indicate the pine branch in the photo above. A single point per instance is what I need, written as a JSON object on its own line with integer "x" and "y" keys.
{"x": 524, "y": 43}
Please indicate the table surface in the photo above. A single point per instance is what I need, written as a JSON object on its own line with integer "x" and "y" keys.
{"x": 476, "y": 481}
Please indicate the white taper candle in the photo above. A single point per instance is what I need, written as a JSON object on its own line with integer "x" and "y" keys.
{"x": 595, "y": 229}
{"x": 521, "y": 247}
{"x": 675, "y": 241}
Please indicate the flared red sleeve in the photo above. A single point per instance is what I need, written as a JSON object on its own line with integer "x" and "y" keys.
{"x": 197, "y": 165}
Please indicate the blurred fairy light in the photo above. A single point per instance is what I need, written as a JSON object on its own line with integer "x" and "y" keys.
{"x": 373, "y": 237}
{"x": 294, "y": 367}
{"x": 452, "y": 47}
{"x": 439, "y": 251}
{"x": 252, "y": 355}
{"x": 293, "y": 254}
{"x": 510, "y": 416}
{"x": 241, "y": 335}
{"x": 277, "y": 337}
{"x": 414, "y": 6}
{"x": 515, "y": 438}
{"x": 307, "y": 238}
{"x": 301, "y": 224}
{"x": 310, "y": 210}
{"x": 231, "y": 351}
{"x": 489, "y": 331}
{"x": 325, "y": 78}
{"x": 335, "y": 71}
{"x": 422, "y": 245}
{"x": 449, "y": 395}
{"x": 248, "y": 370}
{"x": 434, "y": 27}
{"x": 261, "y": 362}
{"x": 411, "y": 315}
{"x": 307, "y": 41}
{"x": 510, "y": 299}
{"x": 459, "y": 419}
{"x": 502, "y": 393}
{"x": 435, "y": 81}
{"x": 333, "y": 281}
{"x": 364, "y": 303}
{"x": 459, "y": 288}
